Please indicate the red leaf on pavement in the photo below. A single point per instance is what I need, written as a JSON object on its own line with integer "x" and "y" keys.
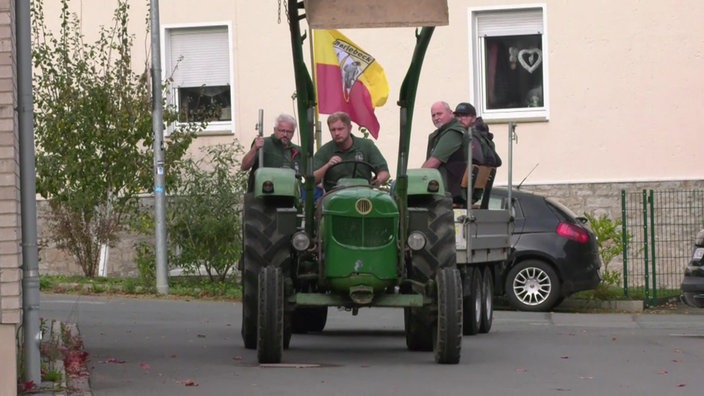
{"x": 28, "y": 385}
{"x": 663, "y": 372}
{"x": 190, "y": 382}
{"x": 144, "y": 366}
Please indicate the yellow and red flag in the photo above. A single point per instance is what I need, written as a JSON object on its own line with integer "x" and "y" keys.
{"x": 348, "y": 79}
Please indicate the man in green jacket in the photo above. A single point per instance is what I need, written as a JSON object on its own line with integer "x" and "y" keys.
{"x": 446, "y": 149}
{"x": 345, "y": 147}
{"x": 279, "y": 151}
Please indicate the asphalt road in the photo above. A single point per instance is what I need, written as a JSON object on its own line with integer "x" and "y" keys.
{"x": 168, "y": 347}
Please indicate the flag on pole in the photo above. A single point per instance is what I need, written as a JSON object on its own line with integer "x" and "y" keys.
{"x": 348, "y": 79}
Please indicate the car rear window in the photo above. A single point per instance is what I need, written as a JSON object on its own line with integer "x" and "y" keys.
{"x": 562, "y": 210}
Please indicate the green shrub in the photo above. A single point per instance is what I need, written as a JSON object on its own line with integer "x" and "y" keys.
{"x": 610, "y": 239}
{"x": 204, "y": 213}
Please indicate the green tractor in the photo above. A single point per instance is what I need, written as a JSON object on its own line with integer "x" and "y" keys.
{"x": 358, "y": 246}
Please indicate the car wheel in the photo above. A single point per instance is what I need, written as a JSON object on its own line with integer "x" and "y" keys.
{"x": 532, "y": 285}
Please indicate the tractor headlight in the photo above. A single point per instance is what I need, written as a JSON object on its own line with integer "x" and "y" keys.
{"x": 300, "y": 241}
{"x": 433, "y": 186}
{"x": 268, "y": 187}
{"x": 416, "y": 240}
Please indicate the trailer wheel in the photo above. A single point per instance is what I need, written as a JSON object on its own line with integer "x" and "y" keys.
{"x": 270, "y": 324}
{"x": 472, "y": 303}
{"x": 419, "y": 329}
{"x": 307, "y": 319}
{"x": 448, "y": 339}
{"x": 487, "y": 314}
{"x": 532, "y": 285}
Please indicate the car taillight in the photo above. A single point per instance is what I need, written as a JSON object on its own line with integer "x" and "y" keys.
{"x": 573, "y": 232}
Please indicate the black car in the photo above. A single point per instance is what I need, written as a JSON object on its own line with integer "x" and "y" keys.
{"x": 554, "y": 252}
{"x": 693, "y": 282}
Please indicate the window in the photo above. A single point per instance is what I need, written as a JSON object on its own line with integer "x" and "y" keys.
{"x": 198, "y": 60}
{"x": 509, "y": 50}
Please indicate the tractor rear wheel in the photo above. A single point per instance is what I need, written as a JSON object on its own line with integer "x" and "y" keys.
{"x": 448, "y": 339}
{"x": 439, "y": 250}
{"x": 263, "y": 245}
{"x": 270, "y": 324}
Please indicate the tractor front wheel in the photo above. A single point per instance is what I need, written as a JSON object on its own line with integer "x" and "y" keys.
{"x": 307, "y": 319}
{"x": 270, "y": 323}
{"x": 419, "y": 329}
{"x": 448, "y": 340}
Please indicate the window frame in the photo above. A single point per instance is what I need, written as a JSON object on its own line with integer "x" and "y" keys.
{"x": 172, "y": 96}
{"x": 478, "y": 70}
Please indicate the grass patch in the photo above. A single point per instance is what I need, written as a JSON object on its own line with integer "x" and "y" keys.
{"x": 180, "y": 286}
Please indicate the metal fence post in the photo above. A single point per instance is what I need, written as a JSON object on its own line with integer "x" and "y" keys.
{"x": 624, "y": 242}
{"x": 646, "y": 249}
{"x": 653, "y": 260}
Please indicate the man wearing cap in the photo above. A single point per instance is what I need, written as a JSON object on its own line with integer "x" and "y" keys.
{"x": 446, "y": 146}
{"x": 483, "y": 151}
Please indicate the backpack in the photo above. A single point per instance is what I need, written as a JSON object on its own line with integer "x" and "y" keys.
{"x": 480, "y": 132}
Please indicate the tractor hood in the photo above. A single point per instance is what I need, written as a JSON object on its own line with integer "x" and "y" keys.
{"x": 359, "y": 201}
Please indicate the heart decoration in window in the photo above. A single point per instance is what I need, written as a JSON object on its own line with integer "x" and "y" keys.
{"x": 530, "y": 58}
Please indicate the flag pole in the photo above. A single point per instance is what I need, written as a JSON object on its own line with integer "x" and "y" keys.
{"x": 318, "y": 129}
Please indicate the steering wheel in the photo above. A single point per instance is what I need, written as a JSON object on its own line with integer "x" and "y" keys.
{"x": 326, "y": 179}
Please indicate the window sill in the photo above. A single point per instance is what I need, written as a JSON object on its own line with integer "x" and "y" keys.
{"x": 516, "y": 116}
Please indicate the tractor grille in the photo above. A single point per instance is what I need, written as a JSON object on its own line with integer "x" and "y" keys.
{"x": 363, "y": 231}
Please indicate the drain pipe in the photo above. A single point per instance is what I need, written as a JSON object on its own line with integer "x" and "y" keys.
{"x": 28, "y": 188}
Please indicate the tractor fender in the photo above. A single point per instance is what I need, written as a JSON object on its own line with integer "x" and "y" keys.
{"x": 283, "y": 181}
{"x": 419, "y": 181}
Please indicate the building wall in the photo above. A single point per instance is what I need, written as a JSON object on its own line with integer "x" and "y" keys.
{"x": 10, "y": 235}
{"x": 624, "y": 81}
{"x": 624, "y": 84}
{"x": 594, "y": 198}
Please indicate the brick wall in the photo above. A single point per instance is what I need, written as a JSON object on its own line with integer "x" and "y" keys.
{"x": 10, "y": 235}
{"x": 594, "y": 198}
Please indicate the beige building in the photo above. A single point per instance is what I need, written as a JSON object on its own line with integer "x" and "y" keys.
{"x": 604, "y": 92}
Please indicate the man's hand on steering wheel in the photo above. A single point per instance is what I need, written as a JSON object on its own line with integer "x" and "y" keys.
{"x": 335, "y": 161}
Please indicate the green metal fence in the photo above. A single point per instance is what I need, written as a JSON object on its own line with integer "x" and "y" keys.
{"x": 660, "y": 228}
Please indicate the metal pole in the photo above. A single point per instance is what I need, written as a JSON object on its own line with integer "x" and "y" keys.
{"x": 260, "y": 127}
{"x": 28, "y": 188}
{"x": 511, "y": 139}
{"x": 162, "y": 282}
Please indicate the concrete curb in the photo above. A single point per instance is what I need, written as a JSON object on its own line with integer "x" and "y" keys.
{"x": 53, "y": 352}
{"x": 610, "y": 305}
